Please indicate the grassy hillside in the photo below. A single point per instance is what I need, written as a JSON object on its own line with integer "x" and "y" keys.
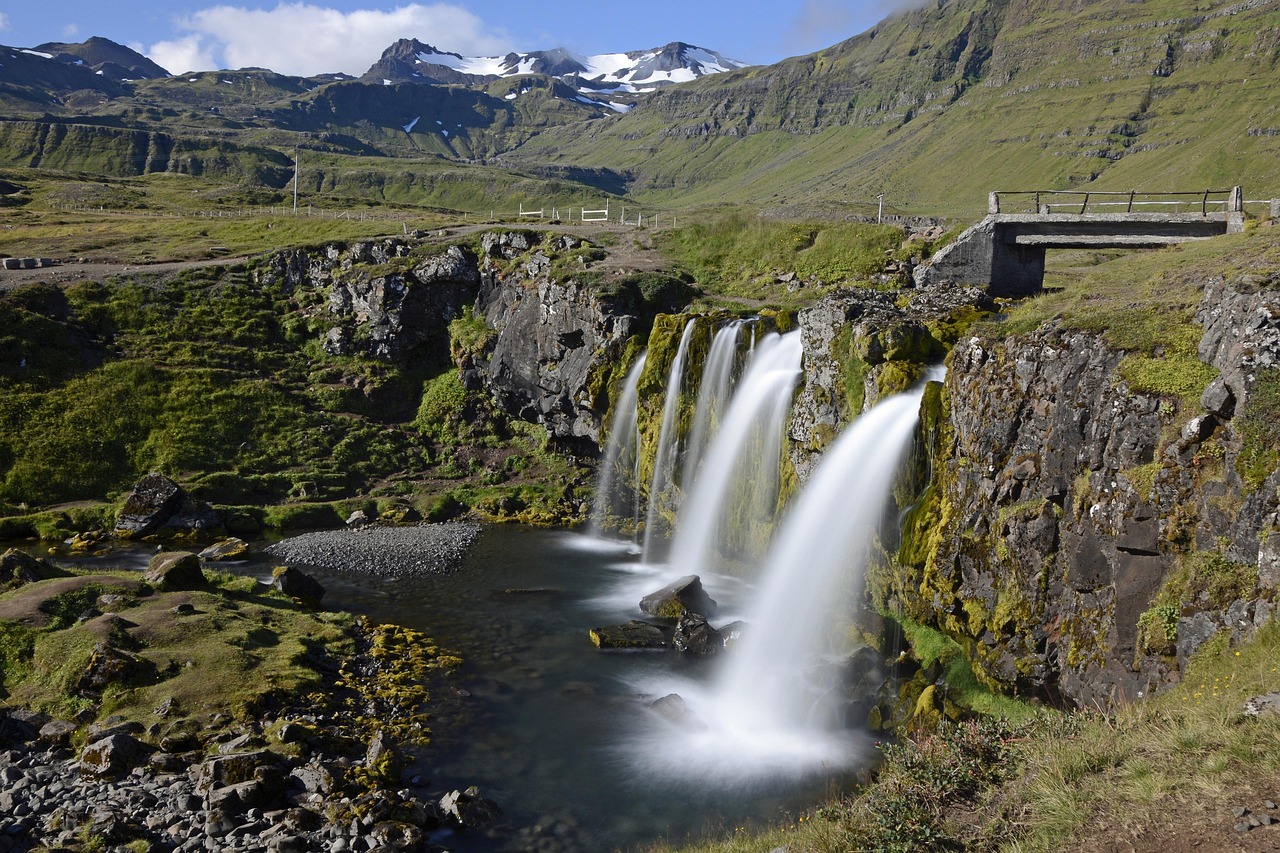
{"x": 938, "y": 106}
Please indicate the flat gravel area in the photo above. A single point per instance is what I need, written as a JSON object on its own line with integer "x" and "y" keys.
{"x": 424, "y": 549}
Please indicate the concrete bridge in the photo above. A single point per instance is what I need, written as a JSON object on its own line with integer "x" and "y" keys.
{"x": 1005, "y": 252}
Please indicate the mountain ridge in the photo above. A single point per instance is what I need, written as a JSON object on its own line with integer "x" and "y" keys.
{"x": 931, "y": 108}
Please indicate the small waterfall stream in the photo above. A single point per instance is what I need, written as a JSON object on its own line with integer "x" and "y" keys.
{"x": 738, "y": 480}
{"x": 664, "y": 460}
{"x": 621, "y": 458}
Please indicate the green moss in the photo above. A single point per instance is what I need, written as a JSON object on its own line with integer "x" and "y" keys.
{"x": 1259, "y": 430}
{"x": 1183, "y": 377}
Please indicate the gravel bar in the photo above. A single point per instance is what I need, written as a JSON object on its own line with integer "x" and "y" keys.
{"x": 416, "y": 551}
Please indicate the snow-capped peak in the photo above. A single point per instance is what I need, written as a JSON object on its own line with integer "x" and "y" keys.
{"x": 409, "y": 60}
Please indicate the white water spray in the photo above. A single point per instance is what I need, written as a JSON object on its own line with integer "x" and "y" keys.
{"x": 713, "y": 396}
{"x": 742, "y": 461}
{"x": 764, "y": 717}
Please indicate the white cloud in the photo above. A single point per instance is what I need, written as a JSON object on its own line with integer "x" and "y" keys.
{"x": 183, "y": 55}
{"x": 4, "y": 21}
{"x": 302, "y": 39}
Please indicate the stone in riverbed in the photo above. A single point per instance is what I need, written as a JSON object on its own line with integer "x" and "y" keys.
{"x": 693, "y": 635}
{"x": 298, "y": 585}
{"x": 227, "y": 549}
{"x": 675, "y": 710}
{"x": 633, "y": 635}
{"x": 685, "y": 595}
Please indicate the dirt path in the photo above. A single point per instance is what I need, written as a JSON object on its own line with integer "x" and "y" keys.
{"x": 629, "y": 248}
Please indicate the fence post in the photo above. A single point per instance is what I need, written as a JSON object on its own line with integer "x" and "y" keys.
{"x": 993, "y": 202}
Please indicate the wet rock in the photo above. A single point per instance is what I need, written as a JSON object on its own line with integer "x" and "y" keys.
{"x": 298, "y": 585}
{"x": 693, "y": 635}
{"x": 227, "y": 549}
{"x": 633, "y": 635}
{"x": 731, "y": 634}
{"x": 673, "y": 601}
{"x": 675, "y": 710}
{"x": 175, "y": 570}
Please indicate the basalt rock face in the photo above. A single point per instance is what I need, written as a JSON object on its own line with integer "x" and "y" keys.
{"x": 1066, "y": 506}
{"x": 559, "y": 337}
{"x": 376, "y": 307}
{"x": 861, "y": 345}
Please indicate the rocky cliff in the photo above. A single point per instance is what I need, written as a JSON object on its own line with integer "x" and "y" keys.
{"x": 561, "y": 330}
{"x": 1082, "y": 538}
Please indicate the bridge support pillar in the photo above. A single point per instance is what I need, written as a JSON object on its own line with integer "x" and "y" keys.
{"x": 985, "y": 256}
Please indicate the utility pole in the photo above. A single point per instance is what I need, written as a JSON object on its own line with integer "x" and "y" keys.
{"x": 295, "y": 180}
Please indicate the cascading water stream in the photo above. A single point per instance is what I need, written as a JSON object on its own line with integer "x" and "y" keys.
{"x": 764, "y": 717}
{"x": 743, "y": 458}
{"x": 713, "y": 395}
{"x": 621, "y": 451}
{"x": 664, "y": 460}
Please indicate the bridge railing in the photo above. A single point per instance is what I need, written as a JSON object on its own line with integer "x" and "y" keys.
{"x": 1203, "y": 202}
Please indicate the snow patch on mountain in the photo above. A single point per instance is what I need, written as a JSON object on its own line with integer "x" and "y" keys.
{"x": 623, "y": 73}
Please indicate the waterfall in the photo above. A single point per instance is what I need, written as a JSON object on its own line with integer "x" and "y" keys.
{"x": 737, "y": 485}
{"x": 664, "y": 460}
{"x": 713, "y": 396}
{"x": 765, "y": 715}
{"x": 621, "y": 455}
{"x": 814, "y": 569}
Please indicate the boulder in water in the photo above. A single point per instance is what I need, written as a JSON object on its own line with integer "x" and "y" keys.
{"x": 695, "y": 636}
{"x": 298, "y": 585}
{"x": 633, "y": 635}
{"x": 675, "y": 710}
{"x": 227, "y": 549}
{"x": 684, "y": 596}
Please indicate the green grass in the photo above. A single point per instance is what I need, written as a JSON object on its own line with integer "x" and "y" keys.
{"x": 216, "y": 378}
{"x": 740, "y": 254}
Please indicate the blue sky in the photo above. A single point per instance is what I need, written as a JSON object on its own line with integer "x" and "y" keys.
{"x": 348, "y": 35}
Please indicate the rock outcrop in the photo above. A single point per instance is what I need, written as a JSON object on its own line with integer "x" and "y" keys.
{"x": 158, "y": 506}
{"x": 1070, "y": 515}
{"x": 560, "y": 331}
{"x": 861, "y": 345}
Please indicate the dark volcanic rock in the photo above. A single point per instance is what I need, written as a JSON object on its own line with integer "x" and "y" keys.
{"x": 633, "y": 635}
{"x": 684, "y": 596}
{"x": 695, "y": 636}
{"x": 159, "y": 506}
{"x": 154, "y": 500}
{"x": 298, "y": 584}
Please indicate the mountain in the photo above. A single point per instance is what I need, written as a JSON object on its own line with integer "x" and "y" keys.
{"x": 936, "y": 106}
{"x": 634, "y": 72}
{"x": 932, "y": 108}
{"x": 105, "y": 57}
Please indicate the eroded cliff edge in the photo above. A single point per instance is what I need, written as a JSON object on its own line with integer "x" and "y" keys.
{"x": 1082, "y": 536}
